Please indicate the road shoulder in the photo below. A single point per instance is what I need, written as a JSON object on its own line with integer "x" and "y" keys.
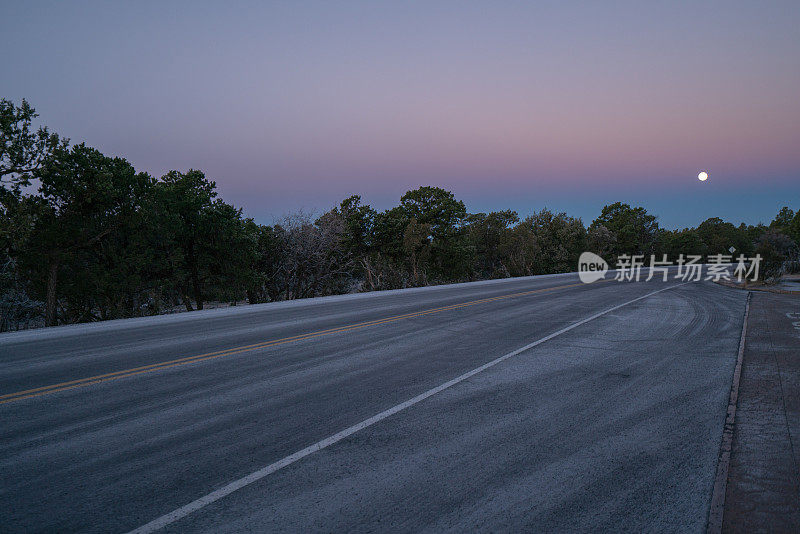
{"x": 763, "y": 489}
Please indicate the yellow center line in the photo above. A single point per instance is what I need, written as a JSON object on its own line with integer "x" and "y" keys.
{"x": 62, "y": 386}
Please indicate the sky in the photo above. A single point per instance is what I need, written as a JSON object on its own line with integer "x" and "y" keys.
{"x": 297, "y": 105}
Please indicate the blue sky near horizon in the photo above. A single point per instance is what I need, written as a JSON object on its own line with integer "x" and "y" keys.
{"x": 511, "y": 105}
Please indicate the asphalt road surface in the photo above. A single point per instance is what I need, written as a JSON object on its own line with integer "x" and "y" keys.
{"x": 407, "y": 410}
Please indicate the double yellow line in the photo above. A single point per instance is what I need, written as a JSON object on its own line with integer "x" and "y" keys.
{"x": 62, "y": 386}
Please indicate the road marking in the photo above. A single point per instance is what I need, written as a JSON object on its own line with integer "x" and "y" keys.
{"x": 717, "y": 509}
{"x": 81, "y": 382}
{"x": 226, "y": 490}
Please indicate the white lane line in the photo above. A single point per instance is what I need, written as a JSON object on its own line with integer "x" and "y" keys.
{"x": 226, "y": 490}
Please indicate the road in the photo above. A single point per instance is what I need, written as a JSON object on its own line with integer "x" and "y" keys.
{"x": 610, "y": 418}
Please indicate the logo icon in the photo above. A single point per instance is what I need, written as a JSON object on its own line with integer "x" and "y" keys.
{"x": 591, "y": 267}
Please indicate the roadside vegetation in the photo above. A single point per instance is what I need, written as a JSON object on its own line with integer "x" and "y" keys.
{"x": 85, "y": 237}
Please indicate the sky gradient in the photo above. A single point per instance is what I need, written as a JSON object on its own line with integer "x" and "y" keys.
{"x": 520, "y": 105}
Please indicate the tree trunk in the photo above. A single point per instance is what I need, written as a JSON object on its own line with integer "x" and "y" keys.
{"x": 52, "y": 279}
{"x": 198, "y": 296}
{"x": 186, "y": 300}
{"x": 194, "y": 274}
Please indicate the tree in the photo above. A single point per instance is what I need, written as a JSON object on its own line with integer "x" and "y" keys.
{"x": 436, "y": 207}
{"x": 559, "y": 240}
{"x": 23, "y": 151}
{"x": 601, "y": 240}
{"x": 316, "y": 262}
{"x": 521, "y": 251}
{"x": 208, "y": 240}
{"x": 719, "y": 236}
{"x": 753, "y": 232}
{"x": 793, "y": 229}
{"x": 677, "y": 242}
{"x": 775, "y": 249}
{"x": 388, "y": 233}
{"x": 488, "y": 236}
{"x": 438, "y": 210}
{"x": 85, "y": 196}
{"x": 783, "y": 219}
{"x": 417, "y": 250}
{"x": 228, "y": 253}
{"x": 635, "y": 231}
{"x": 17, "y": 216}
{"x": 787, "y": 222}
{"x": 359, "y": 225}
{"x": 16, "y": 306}
{"x": 270, "y": 264}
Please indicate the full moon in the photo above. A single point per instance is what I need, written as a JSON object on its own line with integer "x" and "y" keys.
{"x": 703, "y": 176}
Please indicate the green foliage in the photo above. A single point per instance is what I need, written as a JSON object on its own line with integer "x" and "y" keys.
{"x": 22, "y": 150}
{"x": 634, "y": 230}
{"x": 776, "y": 249}
{"x": 434, "y": 239}
{"x": 677, "y": 242}
{"x": 84, "y": 197}
{"x": 489, "y": 238}
{"x": 389, "y": 229}
{"x": 359, "y": 222}
{"x": 435, "y": 207}
{"x": 560, "y": 238}
{"x": 787, "y": 222}
{"x": 208, "y": 243}
{"x": 269, "y": 266}
{"x": 783, "y": 219}
{"x": 717, "y": 236}
{"x": 543, "y": 243}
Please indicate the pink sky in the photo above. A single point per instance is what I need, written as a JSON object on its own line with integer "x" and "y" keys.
{"x": 298, "y": 105}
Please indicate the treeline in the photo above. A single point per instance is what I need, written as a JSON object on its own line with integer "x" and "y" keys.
{"x": 86, "y": 238}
